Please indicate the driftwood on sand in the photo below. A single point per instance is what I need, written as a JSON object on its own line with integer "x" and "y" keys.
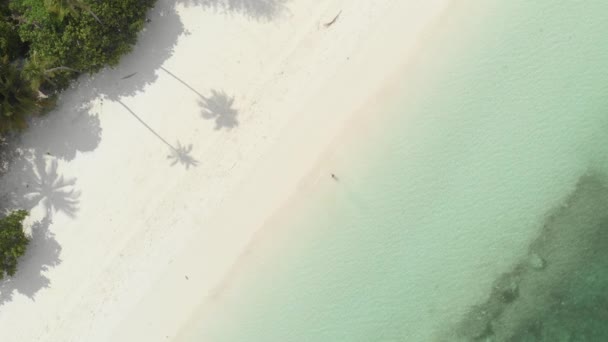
{"x": 128, "y": 76}
{"x": 333, "y": 21}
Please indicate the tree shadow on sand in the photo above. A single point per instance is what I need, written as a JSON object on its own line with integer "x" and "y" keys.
{"x": 179, "y": 154}
{"x": 138, "y": 69}
{"x": 42, "y": 254}
{"x": 47, "y": 187}
{"x": 182, "y": 82}
{"x": 8, "y": 153}
{"x": 219, "y": 106}
{"x": 262, "y": 10}
{"x": 72, "y": 129}
{"x": 29, "y": 176}
{"x": 156, "y": 43}
{"x": 38, "y": 183}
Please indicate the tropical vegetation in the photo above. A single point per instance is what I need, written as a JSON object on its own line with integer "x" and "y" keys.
{"x": 44, "y": 44}
{"x": 13, "y": 242}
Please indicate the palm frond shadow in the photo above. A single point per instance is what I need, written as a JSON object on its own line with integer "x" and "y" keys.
{"x": 219, "y": 106}
{"x": 35, "y": 181}
{"x": 42, "y": 254}
{"x": 45, "y": 185}
{"x": 180, "y": 154}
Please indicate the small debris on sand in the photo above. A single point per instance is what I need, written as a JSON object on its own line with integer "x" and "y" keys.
{"x": 333, "y": 21}
{"x": 128, "y": 76}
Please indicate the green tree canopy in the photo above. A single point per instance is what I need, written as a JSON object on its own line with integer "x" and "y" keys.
{"x": 13, "y": 242}
{"x": 10, "y": 43}
{"x": 83, "y": 41}
{"x": 44, "y": 44}
{"x": 17, "y": 98}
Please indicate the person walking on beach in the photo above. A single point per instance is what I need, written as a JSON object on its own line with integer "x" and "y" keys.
{"x": 334, "y": 177}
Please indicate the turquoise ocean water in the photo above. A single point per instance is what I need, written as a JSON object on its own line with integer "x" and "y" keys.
{"x": 477, "y": 210}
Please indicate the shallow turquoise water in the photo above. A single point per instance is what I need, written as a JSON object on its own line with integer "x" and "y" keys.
{"x": 493, "y": 132}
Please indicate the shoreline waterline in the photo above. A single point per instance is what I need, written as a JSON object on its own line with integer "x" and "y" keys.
{"x": 490, "y": 179}
{"x": 272, "y": 237}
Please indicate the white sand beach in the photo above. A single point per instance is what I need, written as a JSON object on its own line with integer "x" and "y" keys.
{"x": 149, "y": 180}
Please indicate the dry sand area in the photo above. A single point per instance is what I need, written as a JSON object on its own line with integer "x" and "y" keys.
{"x": 149, "y": 179}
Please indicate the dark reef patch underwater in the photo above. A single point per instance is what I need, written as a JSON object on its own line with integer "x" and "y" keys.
{"x": 559, "y": 292}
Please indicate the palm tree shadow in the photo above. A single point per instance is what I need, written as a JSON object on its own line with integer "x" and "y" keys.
{"x": 42, "y": 254}
{"x": 219, "y": 106}
{"x": 36, "y": 181}
{"x": 181, "y": 155}
{"x": 45, "y": 185}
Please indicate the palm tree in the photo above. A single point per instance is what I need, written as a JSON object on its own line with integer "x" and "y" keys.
{"x": 37, "y": 70}
{"x": 17, "y": 98}
{"x": 63, "y": 8}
